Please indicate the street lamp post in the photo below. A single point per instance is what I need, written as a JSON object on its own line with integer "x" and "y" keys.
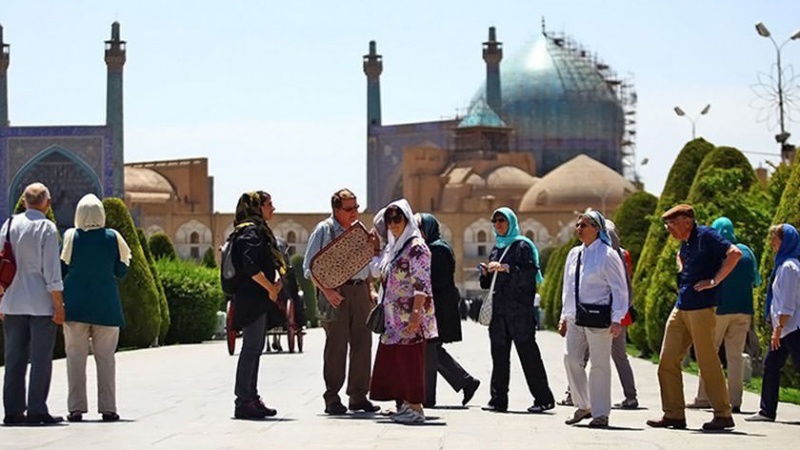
{"x": 763, "y": 31}
{"x": 680, "y": 112}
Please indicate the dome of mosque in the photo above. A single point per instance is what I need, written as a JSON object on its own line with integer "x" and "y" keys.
{"x": 146, "y": 185}
{"x": 560, "y": 104}
{"x": 580, "y": 183}
{"x": 509, "y": 177}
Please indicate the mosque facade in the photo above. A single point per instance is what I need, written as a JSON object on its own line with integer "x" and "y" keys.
{"x": 548, "y": 134}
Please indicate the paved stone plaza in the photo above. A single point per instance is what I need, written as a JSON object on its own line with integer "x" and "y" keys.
{"x": 181, "y": 397}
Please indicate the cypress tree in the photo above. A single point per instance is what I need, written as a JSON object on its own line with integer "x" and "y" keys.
{"x": 162, "y": 297}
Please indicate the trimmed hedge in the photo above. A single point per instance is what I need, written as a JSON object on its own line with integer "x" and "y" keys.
{"x": 309, "y": 292}
{"x": 675, "y": 191}
{"x": 194, "y": 296}
{"x": 553, "y": 283}
{"x": 788, "y": 211}
{"x": 138, "y": 291}
{"x": 631, "y": 219}
{"x": 208, "y": 259}
{"x": 161, "y": 246}
{"x": 725, "y": 185}
{"x": 162, "y": 298}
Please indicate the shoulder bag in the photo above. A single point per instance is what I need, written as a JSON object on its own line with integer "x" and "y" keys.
{"x": 485, "y": 315}
{"x": 586, "y": 314}
{"x": 8, "y": 264}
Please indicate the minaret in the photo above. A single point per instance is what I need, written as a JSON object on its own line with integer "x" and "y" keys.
{"x": 5, "y": 60}
{"x": 373, "y": 67}
{"x": 493, "y": 54}
{"x": 115, "y": 60}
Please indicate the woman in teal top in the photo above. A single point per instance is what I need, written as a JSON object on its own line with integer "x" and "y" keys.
{"x": 93, "y": 259}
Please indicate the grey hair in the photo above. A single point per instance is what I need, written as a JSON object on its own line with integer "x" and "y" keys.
{"x": 36, "y": 194}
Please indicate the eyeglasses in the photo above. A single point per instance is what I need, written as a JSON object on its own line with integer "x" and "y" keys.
{"x": 352, "y": 208}
{"x": 397, "y": 218}
{"x": 670, "y": 223}
{"x": 500, "y": 219}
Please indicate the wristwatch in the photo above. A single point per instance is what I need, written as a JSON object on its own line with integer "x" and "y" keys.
{"x": 713, "y": 283}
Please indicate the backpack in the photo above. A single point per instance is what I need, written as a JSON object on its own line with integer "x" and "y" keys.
{"x": 227, "y": 269}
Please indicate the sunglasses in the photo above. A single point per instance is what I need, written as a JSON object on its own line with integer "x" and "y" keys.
{"x": 397, "y": 218}
{"x": 500, "y": 219}
{"x": 352, "y": 208}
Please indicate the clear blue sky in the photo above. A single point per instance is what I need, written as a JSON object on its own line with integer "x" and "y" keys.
{"x": 274, "y": 95}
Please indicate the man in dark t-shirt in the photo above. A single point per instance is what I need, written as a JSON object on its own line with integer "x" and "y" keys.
{"x": 704, "y": 260}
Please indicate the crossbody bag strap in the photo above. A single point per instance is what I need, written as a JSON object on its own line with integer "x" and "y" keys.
{"x": 494, "y": 276}
{"x": 8, "y": 230}
{"x": 577, "y": 280}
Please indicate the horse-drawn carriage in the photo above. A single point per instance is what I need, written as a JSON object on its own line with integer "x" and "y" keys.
{"x": 292, "y": 328}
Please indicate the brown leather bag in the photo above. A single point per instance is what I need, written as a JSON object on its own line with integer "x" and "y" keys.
{"x": 8, "y": 265}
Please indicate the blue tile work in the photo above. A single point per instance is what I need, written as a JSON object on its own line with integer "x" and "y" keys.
{"x": 89, "y": 146}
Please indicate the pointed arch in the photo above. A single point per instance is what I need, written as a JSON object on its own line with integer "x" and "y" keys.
{"x": 192, "y": 239}
{"x": 478, "y": 239}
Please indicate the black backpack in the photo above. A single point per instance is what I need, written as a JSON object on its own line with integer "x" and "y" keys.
{"x": 227, "y": 268}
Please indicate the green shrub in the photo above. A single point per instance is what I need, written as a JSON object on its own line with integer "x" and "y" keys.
{"x": 309, "y": 292}
{"x": 553, "y": 284}
{"x": 161, "y": 246}
{"x": 194, "y": 296}
{"x": 544, "y": 258}
{"x": 725, "y": 185}
{"x": 631, "y": 224}
{"x": 675, "y": 191}
{"x": 788, "y": 211}
{"x": 209, "y": 260}
{"x": 162, "y": 298}
{"x": 138, "y": 291}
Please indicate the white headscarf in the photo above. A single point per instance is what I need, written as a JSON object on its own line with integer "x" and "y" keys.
{"x": 91, "y": 215}
{"x": 394, "y": 245}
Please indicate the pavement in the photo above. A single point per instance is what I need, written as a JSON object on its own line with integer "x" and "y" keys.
{"x": 181, "y": 397}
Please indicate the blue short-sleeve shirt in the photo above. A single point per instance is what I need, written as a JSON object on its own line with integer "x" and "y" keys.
{"x": 702, "y": 255}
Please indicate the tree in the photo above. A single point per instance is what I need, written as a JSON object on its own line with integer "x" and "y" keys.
{"x": 209, "y": 260}
{"x": 138, "y": 291}
{"x": 309, "y": 291}
{"x": 632, "y": 221}
{"x": 552, "y": 287}
{"x": 161, "y": 246}
{"x": 675, "y": 191}
{"x": 162, "y": 297}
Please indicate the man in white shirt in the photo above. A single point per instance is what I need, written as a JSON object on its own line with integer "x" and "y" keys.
{"x": 31, "y": 308}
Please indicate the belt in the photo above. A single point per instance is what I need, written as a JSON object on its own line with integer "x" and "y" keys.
{"x": 354, "y": 282}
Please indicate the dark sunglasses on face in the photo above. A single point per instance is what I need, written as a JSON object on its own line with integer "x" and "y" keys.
{"x": 351, "y": 209}
{"x": 499, "y": 219}
{"x": 397, "y": 218}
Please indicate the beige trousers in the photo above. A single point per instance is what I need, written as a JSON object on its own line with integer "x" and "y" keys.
{"x": 732, "y": 329}
{"x": 104, "y": 345}
{"x": 684, "y": 329}
{"x": 596, "y": 393}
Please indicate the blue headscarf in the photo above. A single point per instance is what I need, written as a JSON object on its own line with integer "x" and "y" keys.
{"x": 724, "y": 227}
{"x": 789, "y": 249}
{"x": 599, "y": 222}
{"x": 514, "y": 235}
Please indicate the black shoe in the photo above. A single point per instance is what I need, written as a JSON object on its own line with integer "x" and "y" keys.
{"x": 14, "y": 419}
{"x": 110, "y": 417}
{"x": 719, "y": 424}
{"x": 736, "y": 410}
{"x": 365, "y": 406}
{"x": 268, "y": 412}
{"x": 336, "y": 409}
{"x": 495, "y": 408}
{"x": 75, "y": 416}
{"x": 469, "y": 391}
{"x": 538, "y": 409}
{"x": 664, "y": 422}
{"x": 249, "y": 411}
{"x": 43, "y": 419}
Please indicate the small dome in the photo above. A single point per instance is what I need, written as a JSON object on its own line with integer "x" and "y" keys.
{"x": 139, "y": 179}
{"x": 481, "y": 115}
{"x": 510, "y": 177}
{"x": 578, "y": 183}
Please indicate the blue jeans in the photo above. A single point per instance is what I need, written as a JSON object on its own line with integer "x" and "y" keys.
{"x": 253, "y": 338}
{"x": 28, "y": 338}
{"x": 773, "y": 362}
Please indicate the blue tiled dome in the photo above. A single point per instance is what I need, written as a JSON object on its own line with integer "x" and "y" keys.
{"x": 559, "y": 105}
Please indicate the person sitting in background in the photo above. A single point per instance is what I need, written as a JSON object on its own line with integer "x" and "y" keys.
{"x": 93, "y": 259}
{"x": 782, "y": 310}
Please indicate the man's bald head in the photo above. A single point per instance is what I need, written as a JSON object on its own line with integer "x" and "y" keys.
{"x": 36, "y": 196}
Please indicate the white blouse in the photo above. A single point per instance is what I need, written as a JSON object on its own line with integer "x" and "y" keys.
{"x": 602, "y": 276}
{"x": 786, "y": 297}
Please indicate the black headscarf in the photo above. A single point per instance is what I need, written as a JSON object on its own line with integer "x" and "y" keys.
{"x": 431, "y": 229}
{"x": 248, "y": 212}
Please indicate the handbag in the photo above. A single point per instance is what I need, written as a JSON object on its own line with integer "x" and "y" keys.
{"x": 8, "y": 264}
{"x": 485, "y": 314}
{"x": 376, "y": 320}
{"x": 590, "y": 315}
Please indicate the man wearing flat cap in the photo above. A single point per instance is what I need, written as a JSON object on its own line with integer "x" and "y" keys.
{"x": 704, "y": 260}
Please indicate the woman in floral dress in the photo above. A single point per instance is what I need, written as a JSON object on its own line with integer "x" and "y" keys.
{"x": 405, "y": 268}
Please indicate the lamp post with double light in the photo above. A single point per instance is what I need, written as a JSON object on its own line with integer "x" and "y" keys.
{"x": 680, "y": 112}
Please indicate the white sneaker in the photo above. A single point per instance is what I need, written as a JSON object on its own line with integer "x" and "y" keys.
{"x": 409, "y": 417}
{"x": 758, "y": 418}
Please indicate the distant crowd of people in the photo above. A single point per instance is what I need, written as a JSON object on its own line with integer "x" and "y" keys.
{"x": 409, "y": 286}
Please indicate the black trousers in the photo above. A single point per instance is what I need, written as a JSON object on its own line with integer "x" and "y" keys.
{"x": 521, "y": 331}
{"x": 438, "y": 361}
